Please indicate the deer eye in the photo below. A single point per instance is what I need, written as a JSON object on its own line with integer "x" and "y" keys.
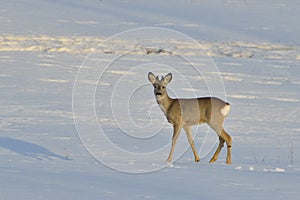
{"x": 163, "y": 87}
{"x": 155, "y": 86}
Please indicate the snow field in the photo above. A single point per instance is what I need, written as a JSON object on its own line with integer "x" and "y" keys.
{"x": 255, "y": 49}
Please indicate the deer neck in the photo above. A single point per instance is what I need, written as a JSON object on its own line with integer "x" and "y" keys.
{"x": 164, "y": 103}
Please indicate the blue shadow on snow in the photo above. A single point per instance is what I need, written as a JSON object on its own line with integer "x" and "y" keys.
{"x": 28, "y": 149}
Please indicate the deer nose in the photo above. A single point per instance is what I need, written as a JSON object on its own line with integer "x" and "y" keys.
{"x": 158, "y": 90}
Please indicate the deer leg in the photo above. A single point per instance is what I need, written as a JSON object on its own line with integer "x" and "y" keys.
{"x": 215, "y": 156}
{"x": 228, "y": 141}
{"x": 189, "y": 135}
{"x": 176, "y": 132}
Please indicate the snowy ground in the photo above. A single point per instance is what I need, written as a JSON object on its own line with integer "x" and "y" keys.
{"x": 47, "y": 46}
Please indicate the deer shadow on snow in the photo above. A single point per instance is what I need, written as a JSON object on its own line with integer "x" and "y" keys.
{"x": 29, "y": 149}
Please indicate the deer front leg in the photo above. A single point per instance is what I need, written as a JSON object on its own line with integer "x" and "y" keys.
{"x": 176, "y": 132}
{"x": 189, "y": 135}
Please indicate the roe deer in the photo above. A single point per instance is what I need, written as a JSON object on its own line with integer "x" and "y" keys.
{"x": 184, "y": 113}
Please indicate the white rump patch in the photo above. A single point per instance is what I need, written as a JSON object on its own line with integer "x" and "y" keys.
{"x": 225, "y": 110}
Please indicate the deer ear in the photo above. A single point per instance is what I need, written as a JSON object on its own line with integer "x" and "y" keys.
{"x": 167, "y": 79}
{"x": 151, "y": 77}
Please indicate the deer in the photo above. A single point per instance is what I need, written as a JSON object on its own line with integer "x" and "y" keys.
{"x": 184, "y": 113}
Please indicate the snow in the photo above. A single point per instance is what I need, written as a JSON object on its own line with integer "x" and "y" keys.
{"x": 78, "y": 115}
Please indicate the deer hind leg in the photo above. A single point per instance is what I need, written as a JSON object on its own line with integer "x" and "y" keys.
{"x": 224, "y": 137}
{"x": 228, "y": 141}
{"x": 189, "y": 135}
{"x": 176, "y": 132}
{"x": 216, "y": 154}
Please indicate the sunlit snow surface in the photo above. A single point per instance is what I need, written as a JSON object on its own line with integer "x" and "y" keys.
{"x": 69, "y": 74}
